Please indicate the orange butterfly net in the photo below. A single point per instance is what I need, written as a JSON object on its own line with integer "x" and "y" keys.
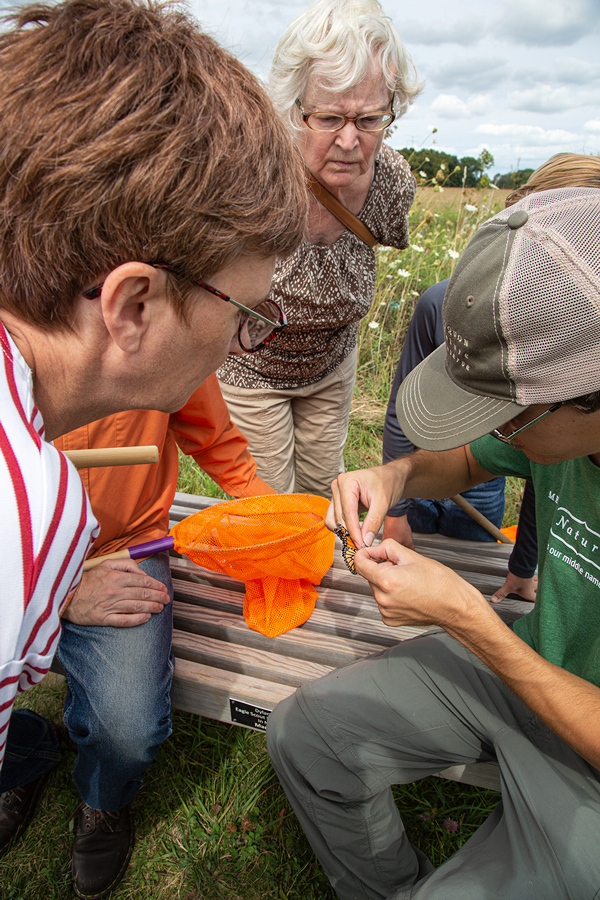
{"x": 277, "y": 545}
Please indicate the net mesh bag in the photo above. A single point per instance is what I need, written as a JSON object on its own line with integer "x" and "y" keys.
{"x": 277, "y": 545}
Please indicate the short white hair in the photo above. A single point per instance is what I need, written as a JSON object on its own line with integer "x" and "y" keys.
{"x": 333, "y": 45}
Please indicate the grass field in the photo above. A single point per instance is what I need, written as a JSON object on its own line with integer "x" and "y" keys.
{"x": 212, "y": 821}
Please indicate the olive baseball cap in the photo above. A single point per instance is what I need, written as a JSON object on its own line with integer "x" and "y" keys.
{"x": 521, "y": 322}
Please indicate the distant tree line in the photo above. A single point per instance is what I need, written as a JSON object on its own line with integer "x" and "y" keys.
{"x": 512, "y": 180}
{"x": 436, "y": 167}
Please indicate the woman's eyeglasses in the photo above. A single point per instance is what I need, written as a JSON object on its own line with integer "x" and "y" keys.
{"x": 327, "y": 121}
{"x": 257, "y": 326}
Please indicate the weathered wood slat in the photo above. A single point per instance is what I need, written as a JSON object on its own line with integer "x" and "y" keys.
{"x": 259, "y": 664}
{"x": 298, "y": 644}
{"x": 207, "y": 691}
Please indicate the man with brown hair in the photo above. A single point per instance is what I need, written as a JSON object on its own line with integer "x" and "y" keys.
{"x": 146, "y": 187}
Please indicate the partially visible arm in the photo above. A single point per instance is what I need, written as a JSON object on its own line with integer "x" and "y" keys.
{"x": 117, "y": 593}
{"x": 524, "y": 557}
{"x": 522, "y": 565}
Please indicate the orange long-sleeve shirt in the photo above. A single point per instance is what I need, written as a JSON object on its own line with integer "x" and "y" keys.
{"x": 132, "y": 502}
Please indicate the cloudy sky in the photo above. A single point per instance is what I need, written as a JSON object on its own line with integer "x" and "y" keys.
{"x": 518, "y": 77}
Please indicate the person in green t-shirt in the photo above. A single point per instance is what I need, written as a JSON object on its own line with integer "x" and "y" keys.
{"x": 514, "y": 390}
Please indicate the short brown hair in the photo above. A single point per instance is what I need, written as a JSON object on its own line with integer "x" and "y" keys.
{"x": 128, "y": 134}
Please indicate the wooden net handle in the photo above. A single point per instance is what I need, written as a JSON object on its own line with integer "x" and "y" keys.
{"x": 480, "y": 519}
{"x": 113, "y": 456}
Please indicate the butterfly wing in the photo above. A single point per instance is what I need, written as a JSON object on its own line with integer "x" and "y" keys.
{"x": 348, "y": 547}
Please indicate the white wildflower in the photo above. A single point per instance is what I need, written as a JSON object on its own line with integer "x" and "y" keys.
{"x": 373, "y": 324}
{"x": 493, "y": 186}
{"x": 416, "y": 248}
{"x": 414, "y": 293}
{"x": 470, "y": 208}
{"x": 423, "y": 174}
{"x": 403, "y": 273}
{"x": 453, "y": 254}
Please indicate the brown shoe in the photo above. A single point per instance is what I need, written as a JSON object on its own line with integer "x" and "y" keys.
{"x": 16, "y": 809}
{"x": 101, "y": 850}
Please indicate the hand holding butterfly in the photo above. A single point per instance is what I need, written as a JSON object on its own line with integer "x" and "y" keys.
{"x": 421, "y": 474}
{"x": 412, "y": 590}
{"x": 376, "y": 489}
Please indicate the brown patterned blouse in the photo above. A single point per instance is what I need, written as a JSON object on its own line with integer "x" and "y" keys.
{"x": 326, "y": 290}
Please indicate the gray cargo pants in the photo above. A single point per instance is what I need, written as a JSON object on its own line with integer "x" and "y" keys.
{"x": 340, "y": 742}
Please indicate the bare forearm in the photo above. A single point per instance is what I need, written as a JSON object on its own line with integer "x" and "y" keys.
{"x": 422, "y": 474}
{"x": 567, "y": 704}
{"x": 438, "y": 475}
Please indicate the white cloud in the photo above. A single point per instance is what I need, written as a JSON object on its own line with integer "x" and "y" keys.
{"x": 463, "y": 73}
{"x": 439, "y": 29}
{"x": 593, "y": 125}
{"x": 570, "y": 70}
{"x": 546, "y": 22}
{"x": 542, "y": 99}
{"x": 529, "y": 145}
{"x": 528, "y": 134}
{"x": 449, "y": 106}
{"x": 248, "y": 28}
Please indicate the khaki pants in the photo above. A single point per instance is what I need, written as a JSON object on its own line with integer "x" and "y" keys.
{"x": 297, "y": 435}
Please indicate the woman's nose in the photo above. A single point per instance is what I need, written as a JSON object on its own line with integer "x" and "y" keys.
{"x": 348, "y": 136}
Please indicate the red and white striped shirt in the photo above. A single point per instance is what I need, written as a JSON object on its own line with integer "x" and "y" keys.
{"x": 46, "y": 528}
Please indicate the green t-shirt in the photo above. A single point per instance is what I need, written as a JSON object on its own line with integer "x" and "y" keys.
{"x": 564, "y": 626}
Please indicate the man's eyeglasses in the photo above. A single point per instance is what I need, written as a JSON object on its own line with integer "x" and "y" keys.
{"x": 327, "y": 121}
{"x": 257, "y": 326}
{"x": 509, "y": 438}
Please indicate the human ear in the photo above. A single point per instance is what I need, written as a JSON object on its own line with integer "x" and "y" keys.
{"x": 132, "y": 295}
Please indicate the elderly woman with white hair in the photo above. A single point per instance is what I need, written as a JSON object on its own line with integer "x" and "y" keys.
{"x": 340, "y": 77}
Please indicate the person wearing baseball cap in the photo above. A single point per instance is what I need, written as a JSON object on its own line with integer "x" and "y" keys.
{"x": 515, "y": 390}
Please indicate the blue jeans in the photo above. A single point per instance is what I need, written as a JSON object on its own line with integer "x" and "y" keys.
{"x": 118, "y": 708}
{"x": 445, "y": 517}
{"x": 32, "y": 749}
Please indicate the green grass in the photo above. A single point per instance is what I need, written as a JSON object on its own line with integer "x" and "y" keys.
{"x": 212, "y": 821}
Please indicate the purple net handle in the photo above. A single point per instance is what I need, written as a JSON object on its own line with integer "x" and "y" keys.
{"x": 136, "y": 552}
{"x": 150, "y": 547}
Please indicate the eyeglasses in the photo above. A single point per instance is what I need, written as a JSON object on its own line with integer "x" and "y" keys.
{"x": 509, "y": 438}
{"x": 326, "y": 121}
{"x": 257, "y": 326}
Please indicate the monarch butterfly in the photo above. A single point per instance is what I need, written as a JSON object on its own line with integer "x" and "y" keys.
{"x": 348, "y": 548}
